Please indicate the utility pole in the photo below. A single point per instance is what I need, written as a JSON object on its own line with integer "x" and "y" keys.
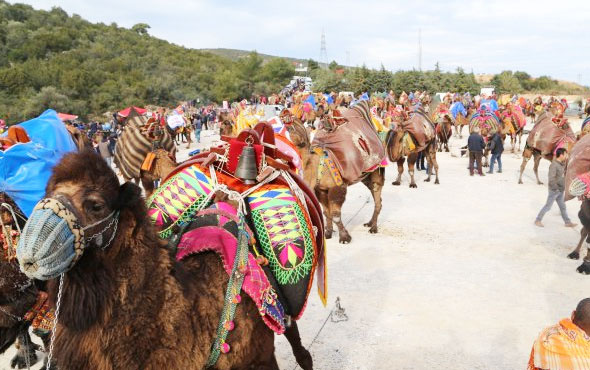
{"x": 323, "y": 51}
{"x": 420, "y": 49}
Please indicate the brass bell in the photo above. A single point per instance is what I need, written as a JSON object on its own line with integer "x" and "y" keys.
{"x": 246, "y": 170}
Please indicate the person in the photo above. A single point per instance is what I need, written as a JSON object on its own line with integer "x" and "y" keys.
{"x": 496, "y": 148}
{"x": 197, "y": 126}
{"x": 556, "y": 188}
{"x": 103, "y": 149}
{"x": 565, "y": 345}
{"x": 476, "y": 146}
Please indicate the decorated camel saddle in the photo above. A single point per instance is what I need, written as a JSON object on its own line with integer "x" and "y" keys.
{"x": 136, "y": 146}
{"x": 243, "y": 201}
{"x": 442, "y": 111}
{"x": 577, "y": 176}
{"x": 418, "y": 131}
{"x": 514, "y": 116}
{"x": 550, "y": 133}
{"x": 487, "y": 122}
{"x": 351, "y": 142}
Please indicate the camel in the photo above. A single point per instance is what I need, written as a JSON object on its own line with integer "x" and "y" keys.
{"x": 139, "y": 146}
{"x": 531, "y": 147}
{"x": 330, "y": 193}
{"x": 160, "y": 168}
{"x": 126, "y": 303}
{"x": 511, "y": 128}
{"x": 462, "y": 121}
{"x": 18, "y": 294}
{"x": 444, "y": 131}
{"x": 398, "y": 151}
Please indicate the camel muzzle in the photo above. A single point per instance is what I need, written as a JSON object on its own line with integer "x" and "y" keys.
{"x": 51, "y": 241}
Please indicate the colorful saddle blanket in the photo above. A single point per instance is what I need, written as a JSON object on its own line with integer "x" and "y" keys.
{"x": 216, "y": 229}
{"x": 546, "y": 136}
{"x": 284, "y": 231}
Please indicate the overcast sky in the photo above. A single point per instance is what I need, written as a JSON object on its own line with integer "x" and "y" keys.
{"x": 540, "y": 37}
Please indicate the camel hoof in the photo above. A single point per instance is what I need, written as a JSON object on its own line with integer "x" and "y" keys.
{"x": 427, "y": 180}
{"x": 584, "y": 268}
{"x": 328, "y": 234}
{"x": 304, "y": 360}
{"x": 436, "y": 182}
{"x": 396, "y": 183}
{"x": 345, "y": 239}
{"x": 20, "y": 361}
{"x": 539, "y": 183}
{"x": 413, "y": 186}
{"x": 374, "y": 229}
{"x": 520, "y": 181}
{"x": 574, "y": 256}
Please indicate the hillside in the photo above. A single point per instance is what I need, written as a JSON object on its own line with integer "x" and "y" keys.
{"x": 235, "y": 55}
{"x": 52, "y": 59}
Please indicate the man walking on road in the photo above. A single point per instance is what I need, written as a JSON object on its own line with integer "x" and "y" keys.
{"x": 556, "y": 188}
{"x": 476, "y": 146}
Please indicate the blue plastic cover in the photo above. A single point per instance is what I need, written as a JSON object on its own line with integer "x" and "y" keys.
{"x": 25, "y": 168}
{"x": 458, "y": 107}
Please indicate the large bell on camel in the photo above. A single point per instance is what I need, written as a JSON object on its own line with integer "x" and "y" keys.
{"x": 246, "y": 170}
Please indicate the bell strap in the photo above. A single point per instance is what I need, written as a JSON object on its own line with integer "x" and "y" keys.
{"x": 232, "y": 296}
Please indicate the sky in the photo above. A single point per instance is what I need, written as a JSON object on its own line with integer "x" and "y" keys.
{"x": 539, "y": 37}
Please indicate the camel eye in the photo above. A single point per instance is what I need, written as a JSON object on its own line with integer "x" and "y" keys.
{"x": 94, "y": 206}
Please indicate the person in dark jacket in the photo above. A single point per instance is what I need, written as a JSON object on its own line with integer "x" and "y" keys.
{"x": 556, "y": 188}
{"x": 476, "y": 146}
{"x": 496, "y": 148}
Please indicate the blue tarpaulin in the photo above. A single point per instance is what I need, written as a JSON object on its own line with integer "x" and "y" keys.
{"x": 456, "y": 108}
{"x": 25, "y": 168}
{"x": 311, "y": 100}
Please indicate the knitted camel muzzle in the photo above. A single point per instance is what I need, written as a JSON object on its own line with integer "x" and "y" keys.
{"x": 52, "y": 240}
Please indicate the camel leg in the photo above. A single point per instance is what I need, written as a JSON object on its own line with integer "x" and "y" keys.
{"x": 575, "y": 255}
{"x": 302, "y": 355}
{"x": 432, "y": 164}
{"x": 537, "y": 159}
{"x": 336, "y": 196}
{"x": 400, "y": 171}
{"x": 375, "y": 182}
{"x": 25, "y": 354}
{"x": 411, "y": 165}
{"x": 526, "y": 156}
{"x": 323, "y": 198}
{"x": 584, "y": 268}
{"x": 461, "y": 132}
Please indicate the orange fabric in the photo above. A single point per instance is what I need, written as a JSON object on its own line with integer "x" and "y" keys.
{"x": 18, "y": 134}
{"x": 561, "y": 347}
{"x": 148, "y": 161}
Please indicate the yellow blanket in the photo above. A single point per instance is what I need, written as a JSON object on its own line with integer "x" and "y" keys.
{"x": 561, "y": 347}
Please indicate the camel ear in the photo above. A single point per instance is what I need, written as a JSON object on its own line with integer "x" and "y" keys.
{"x": 129, "y": 195}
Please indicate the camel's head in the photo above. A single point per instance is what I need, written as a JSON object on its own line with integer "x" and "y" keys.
{"x": 80, "y": 210}
{"x": 297, "y": 132}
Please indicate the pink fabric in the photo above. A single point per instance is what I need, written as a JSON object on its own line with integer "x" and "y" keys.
{"x": 222, "y": 242}
{"x": 290, "y": 151}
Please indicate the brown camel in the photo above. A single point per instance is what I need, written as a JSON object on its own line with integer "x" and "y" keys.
{"x": 398, "y": 151}
{"x": 531, "y": 148}
{"x": 509, "y": 127}
{"x": 331, "y": 194}
{"x": 160, "y": 168}
{"x": 127, "y": 303}
{"x": 444, "y": 131}
{"x": 462, "y": 121}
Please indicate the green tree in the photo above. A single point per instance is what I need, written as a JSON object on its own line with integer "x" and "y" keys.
{"x": 141, "y": 28}
{"x": 312, "y": 65}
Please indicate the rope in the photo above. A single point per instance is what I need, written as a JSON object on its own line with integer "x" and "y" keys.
{"x": 55, "y": 321}
{"x": 337, "y": 312}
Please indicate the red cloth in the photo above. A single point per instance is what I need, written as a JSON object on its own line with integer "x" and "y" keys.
{"x": 66, "y": 117}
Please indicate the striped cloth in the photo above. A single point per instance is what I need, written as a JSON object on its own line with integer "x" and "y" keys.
{"x": 132, "y": 147}
{"x": 561, "y": 347}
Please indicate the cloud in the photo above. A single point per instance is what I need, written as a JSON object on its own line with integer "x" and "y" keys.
{"x": 487, "y": 36}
